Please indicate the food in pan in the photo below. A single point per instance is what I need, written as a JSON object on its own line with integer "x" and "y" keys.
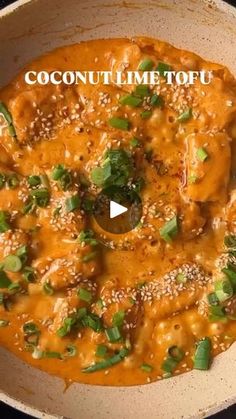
{"x": 118, "y": 309}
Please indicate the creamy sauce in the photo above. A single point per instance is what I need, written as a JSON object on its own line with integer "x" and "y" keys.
{"x": 157, "y": 283}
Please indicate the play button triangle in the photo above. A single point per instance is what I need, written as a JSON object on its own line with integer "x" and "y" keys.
{"x": 116, "y": 209}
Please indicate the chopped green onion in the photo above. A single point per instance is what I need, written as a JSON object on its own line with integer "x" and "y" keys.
{"x": 202, "y": 355}
{"x": 66, "y": 328}
{"x": 71, "y": 350}
{"x": 107, "y": 363}
{"x": 73, "y": 203}
{"x": 5, "y": 112}
{"x": 12, "y": 131}
{"x": 101, "y": 351}
{"x": 4, "y": 323}
{"x": 169, "y": 365}
{"x": 212, "y": 299}
{"x": 4, "y": 226}
{"x": 146, "y": 65}
{"x": 29, "y": 207}
{"x": 66, "y": 181}
{"x": 22, "y": 253}
{"x": 12, "y": 263}
{"x": 157, "y": 100}
{"x": 30, "y": 329}
{"x": 163, "y": 68}
{"x": 116, "y": 169}
{"x": 217, "y": 314}
{"x": 130, "y": 100}
{"x": 170, "y": 229}
{"x": 176, "y": 355}
{"x": 119, "y": 123}
{"x": 63, "y": 176}
{"x": 14, "y": 287}
{"x": 85, "y": 295}
{"x": 230, "y": 241}
{"x": 185, "y": 116}
{"x": 58, "y": 172}
{"x": 12, "y": 181}
{"x": 34, "y": 180}
{"x": 7, "y": 115}
{"x": 4, "y": 280}
{"x": 223, "y": 290}
{"x": 100, "y": 175}
{"x": 48, "y": 289}
{"x": 230, "y": 272}
{"x": 134, "y": 142}
{"x": 41, "y": 197}
{"x": 146, "y": 368}
{"x": 113, "y": 334}
{"x": 142, "y": 90}
{"x": 82, "y": 312}
{"x": 37, "y": 353}
{"x": 87, "y": 237}
{"x": 29, "y": 274}
{"x": 181, "y": 278}
{"x": 202, "y": 154}
{"x": 146, "y": 114}
{"x": 118, "y": 318}
{"x": 93, "y": 321}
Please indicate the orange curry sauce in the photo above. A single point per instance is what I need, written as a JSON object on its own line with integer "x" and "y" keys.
{"x": 70, "y": 278}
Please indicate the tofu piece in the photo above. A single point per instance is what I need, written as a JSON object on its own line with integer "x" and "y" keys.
{"x": 38, "y": 112}
{"x": 207, "y": 180}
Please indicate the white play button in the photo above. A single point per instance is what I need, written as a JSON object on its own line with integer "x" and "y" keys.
{"x": 116, "y": 209}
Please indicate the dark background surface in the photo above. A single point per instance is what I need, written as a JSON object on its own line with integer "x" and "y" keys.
{"x": 7, "y": 412}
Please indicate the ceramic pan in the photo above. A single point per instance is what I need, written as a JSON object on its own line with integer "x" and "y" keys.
{"x": 30, "y": 28}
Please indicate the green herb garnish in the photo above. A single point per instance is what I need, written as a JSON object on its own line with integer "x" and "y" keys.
{"x": 4, "y": 226}
{"x": 73, "y": 203}
{"x": 85, "y": 295}
{"x": 101, "y": 351}
{"x": 130, "y": 100}
{"x": 146, "y": 368}
{"x": 185, "y": 116}
{"x": 118, "y": 318}
{"x": 146, "y": 65}
{"x": 116, "y": 169}
{"x": 202, "y": 355}
{"x": 107, "y": 363}
{"x": 202, "y": 154}
{"x": 163, "y": 68}
{"x": 41, "y": 197}
{"x": 170, "y": 230}
{"x": 8, "y": 117}
{"x": 119, "y": 123}
{"x": 12, "y": 263}
{"x": 113, "y": 334}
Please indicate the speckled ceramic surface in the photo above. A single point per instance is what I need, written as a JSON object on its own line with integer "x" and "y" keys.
{"x": 29, "y": 28}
